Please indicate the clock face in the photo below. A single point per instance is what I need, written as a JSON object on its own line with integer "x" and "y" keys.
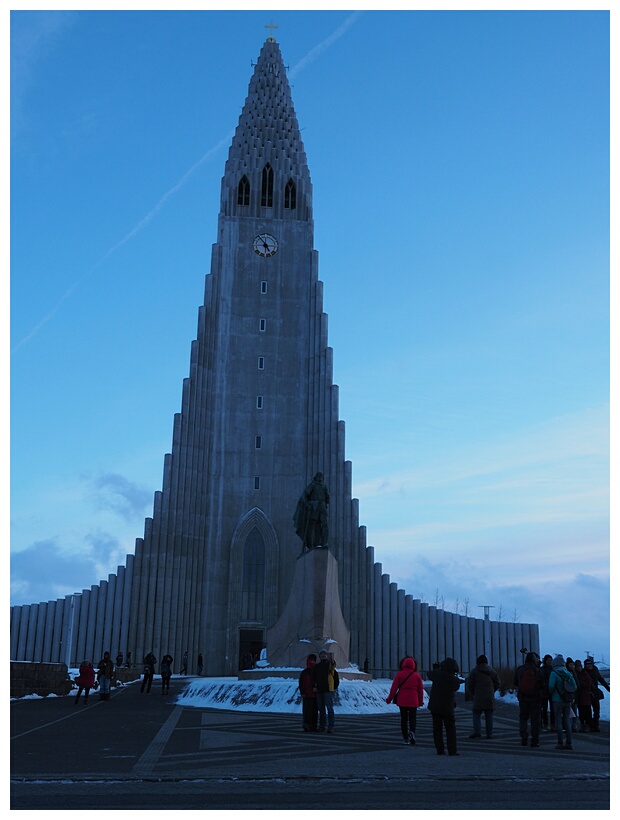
{"x": 265, "y": 244}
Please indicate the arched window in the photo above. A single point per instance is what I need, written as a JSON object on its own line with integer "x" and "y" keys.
{"x": 253, "y": 588}
{"x": 290, "y": 195}
{"x": 243, "y": 191}
{"x": 266, "y": 195}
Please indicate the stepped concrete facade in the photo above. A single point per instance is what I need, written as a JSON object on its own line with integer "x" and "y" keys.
{"x": 215, "y": 567}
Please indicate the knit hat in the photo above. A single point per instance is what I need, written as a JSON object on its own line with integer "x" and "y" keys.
{"x": 482, "y": 659}
{"x": 558, "y": 661}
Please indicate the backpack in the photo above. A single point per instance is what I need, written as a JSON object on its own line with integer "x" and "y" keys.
{"x": 528, "y": 685}
{"x": 567, "y": 687}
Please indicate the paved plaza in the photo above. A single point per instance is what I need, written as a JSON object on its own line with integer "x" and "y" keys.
{"x": 142, "y": 751}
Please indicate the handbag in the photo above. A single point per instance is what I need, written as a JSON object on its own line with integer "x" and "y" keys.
{"x": 395, "y": 698}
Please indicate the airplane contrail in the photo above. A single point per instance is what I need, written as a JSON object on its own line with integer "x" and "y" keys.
{"x": 312, "y": 55}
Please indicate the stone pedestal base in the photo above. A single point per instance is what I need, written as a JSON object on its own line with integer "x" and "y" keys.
{"x": 312, "y": 619}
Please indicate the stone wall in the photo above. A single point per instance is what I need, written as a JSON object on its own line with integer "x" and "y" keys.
{"x": 39, "y": 679}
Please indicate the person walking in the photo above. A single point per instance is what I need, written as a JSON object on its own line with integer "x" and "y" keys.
{"x": 309, "y": 709}
{"x": 585, "y": 696}
{"x": 166, "y": 673}
{"x": 481, "y": 685}
{"x": 561, "y": 684}
{"x": 149, "y": 671}
{"x": 529, "y": 681}
{"x": 445, "y": 683}
{"x": 200, "y": 663}
{"x": 546, "y": 710}
{"x": 325, "y": 681}
{"x": 85, "y": 681}
{"x": 105, "y": 672}
{"x": 407, "y": 693}
{"x": 184, "y": 664}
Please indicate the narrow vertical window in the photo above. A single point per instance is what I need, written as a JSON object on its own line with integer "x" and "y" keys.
{"x": 263, "y": 287}
{"x": 243, "y": 191}
{"x": 290, "y": 195}
{"x": 262, "y": 325}
{"x": 258, "y": 442}
{"x": 253, "y": 584}
{"x": 266, "y": 194}
{"x": 261, "y": 362}
{"x": 257, "y": 482}
{"x": 259, "y": 402}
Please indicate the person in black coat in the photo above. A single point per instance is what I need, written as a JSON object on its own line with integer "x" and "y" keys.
{"x": 529, "y": 681}
{"x": 446, "y": 683}
{"x": 597, "y": 695}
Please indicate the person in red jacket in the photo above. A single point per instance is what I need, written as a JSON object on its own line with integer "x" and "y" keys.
{"x": 309, "y": 708}
{"x": 85, "y": 680}
{"x": 408, "y": 685}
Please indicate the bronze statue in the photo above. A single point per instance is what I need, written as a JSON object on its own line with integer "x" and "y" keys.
{"x": 310, "y": 517}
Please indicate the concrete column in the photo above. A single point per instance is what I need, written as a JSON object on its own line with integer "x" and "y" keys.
{"x": 32, "y": 630}
{"x": 409, "y": 631}
{"x": 377, "y": 660}
{"x": 57, "y": 639}
{"x": 462, "y": 624}
{"x": 108, "y": 616}
{"x": 502, "y": 643}
{"x": 385, "y": 625}
{"x": 475, "y": 640}
{"x": 23, "y": 632}
{"x": 511, "y": 651}
{"x": 448, "y": 633}
{"x": 100, "y": 647}
{"x": 40, "y": 633}
{"x": 369, "y": 600}
{"x": 495, "y": 642}
{"x": 393, "y": 630}
{"x": 441, "y": 616}
{"x": 425, "y": 636}
{"x": 49, "y": 632}
{"x": 418, "y": 652}
{"x": 432, "y": 630}
{"x": 91, "y": 649}
{"x": 80, "y": 650}
{"x": 481, "y": 640}
{"x": 126, "y": 606}
{"x": 16, "y": 622}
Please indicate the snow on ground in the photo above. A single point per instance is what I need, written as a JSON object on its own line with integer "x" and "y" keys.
{"x": 354, "y": 697}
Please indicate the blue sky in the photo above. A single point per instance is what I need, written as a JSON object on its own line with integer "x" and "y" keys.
{"x": 460, "y": 164}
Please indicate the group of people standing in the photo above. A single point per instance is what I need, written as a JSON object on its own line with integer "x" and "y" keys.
{"x": 86, "y": 678}
{"x": 557, "y": 694}
{"x": 318, "y": 683}
{"x": 564, "y": 695}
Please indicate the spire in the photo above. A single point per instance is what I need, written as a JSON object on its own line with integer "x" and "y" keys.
{"x": 267, "y": 134}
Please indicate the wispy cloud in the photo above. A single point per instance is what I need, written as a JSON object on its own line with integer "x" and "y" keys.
{"x": 318, "y": 50}
{"x": 312, "y": 55}
{"x": 33, "y": 35}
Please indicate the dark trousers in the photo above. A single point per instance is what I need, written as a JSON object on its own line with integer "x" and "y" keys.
{"x": 449, "y": 722}
{"x": 147, "y": 681}
{"x": 596, "y": 711}
{"x": 86, "y": 690}
{"x": 408, "y": 716}
{"x": 310, "y": 714}
{"x": 165, "y": 684}
{"x": 529, "y": 711}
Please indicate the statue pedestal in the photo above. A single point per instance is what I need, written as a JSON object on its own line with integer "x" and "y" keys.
{"x": 312, "y": 619}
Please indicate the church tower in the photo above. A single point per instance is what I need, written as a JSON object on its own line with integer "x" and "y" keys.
{"x": 259, "y": 413}
{"x": 259, "y": 417}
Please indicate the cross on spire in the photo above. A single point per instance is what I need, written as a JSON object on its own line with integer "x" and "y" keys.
{"x": 271, "y": 26}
